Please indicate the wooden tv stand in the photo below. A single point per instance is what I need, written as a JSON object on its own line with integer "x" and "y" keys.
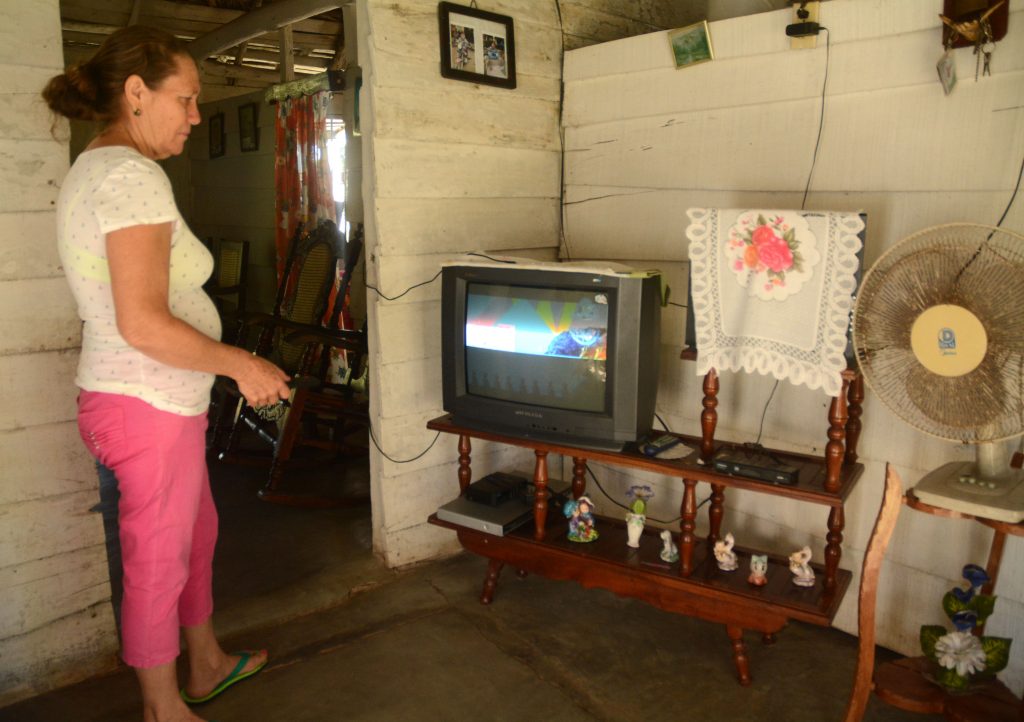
{"x": 693, "y": 586}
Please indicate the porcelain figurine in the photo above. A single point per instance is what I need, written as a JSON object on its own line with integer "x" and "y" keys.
{"x": 669, "y": 552}
{"x": 800, "y": 565}
{"x": 579, "y": 512}
{"x": 724, "y": 554}
{"x": 758, "y": 570}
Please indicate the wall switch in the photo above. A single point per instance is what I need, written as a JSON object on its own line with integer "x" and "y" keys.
{"x": 807, "y": 41}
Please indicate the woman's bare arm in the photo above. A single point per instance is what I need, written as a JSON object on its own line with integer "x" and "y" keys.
{"x": 139, "y": 259}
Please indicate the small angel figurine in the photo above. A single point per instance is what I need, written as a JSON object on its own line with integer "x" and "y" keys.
{"x": 724, "y": 554}
{"x": 581, "y": 519}
{"x": 800, "y": 565}
{"x": 758, "y": 570}
{"x": 670, "y": 552}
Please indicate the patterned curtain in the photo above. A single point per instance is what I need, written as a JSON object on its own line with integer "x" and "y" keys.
{"x": 302, "y": 172}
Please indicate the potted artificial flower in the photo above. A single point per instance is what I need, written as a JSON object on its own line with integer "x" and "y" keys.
{"x": 637, "y": 515}
{"x": 960, "y": 658}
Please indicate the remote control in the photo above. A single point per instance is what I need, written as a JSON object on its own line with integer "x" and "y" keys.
{"x": 658, "y": 444}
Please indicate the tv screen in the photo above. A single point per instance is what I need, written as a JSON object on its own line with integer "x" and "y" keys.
{"x": 550, "y": 351}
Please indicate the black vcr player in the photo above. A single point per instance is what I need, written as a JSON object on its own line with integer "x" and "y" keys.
{"x": 755, "y": 465}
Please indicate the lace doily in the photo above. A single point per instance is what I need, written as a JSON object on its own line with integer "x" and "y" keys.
{"x": 772, "y": 291}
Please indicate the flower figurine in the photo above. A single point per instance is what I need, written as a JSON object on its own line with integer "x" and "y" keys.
{"x": 637, "y": 515}
{"x": 639, "y": 494}
{"x": 579, "y": 512}
{"x": 961, "y": 657}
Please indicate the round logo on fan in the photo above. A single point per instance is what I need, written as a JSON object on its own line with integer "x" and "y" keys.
{"x": 948, "y": 340}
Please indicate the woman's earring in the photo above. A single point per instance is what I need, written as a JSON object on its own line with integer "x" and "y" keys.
{"x": 137, "y": 112}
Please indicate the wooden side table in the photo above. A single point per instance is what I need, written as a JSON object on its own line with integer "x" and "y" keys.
{"x": 903, "y": 683}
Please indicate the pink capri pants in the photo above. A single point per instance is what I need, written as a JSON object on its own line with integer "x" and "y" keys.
{"x": 168, "y": 523}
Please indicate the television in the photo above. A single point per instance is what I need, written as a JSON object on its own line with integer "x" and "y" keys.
{"x": 554, "y": 352}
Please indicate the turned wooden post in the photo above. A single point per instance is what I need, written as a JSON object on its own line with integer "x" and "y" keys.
{"x": 834, "y": 450}
{"x": 494, "y": 568}
{"x": 709, "y": 416}
{"x": 833, "y": 547}
{"x": 540, "y": 497}
{"x": 739, "y": 653}
{"x": 715, "y": 512}
{"x": 465, "y": 473}
{"x": 854, "y": 424}
{"x": 686, "y": 538}
{"x": 579, "y": 476}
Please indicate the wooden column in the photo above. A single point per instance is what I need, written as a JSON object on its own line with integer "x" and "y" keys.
{"x": 854, "y": 424}
{"x": 465, "y": 473}
{"x": 579, "y": 476}
{"x": 833, "y": 547}
{"x": 686, "y": 538}
{"x": 709, "y": 416}
{"x": 834, "y": 450}
{"x": 715, "y": 513}
{"x": 540, "y": 497}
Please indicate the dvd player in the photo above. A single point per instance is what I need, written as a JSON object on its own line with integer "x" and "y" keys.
{"x": 755, "y": 465}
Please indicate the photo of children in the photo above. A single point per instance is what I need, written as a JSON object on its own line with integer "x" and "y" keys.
{"x": 494, "y": 56}
{"x": 463, "y": 47}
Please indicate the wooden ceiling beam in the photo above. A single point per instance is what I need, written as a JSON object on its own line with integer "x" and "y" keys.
{"x": 258, "y": 22}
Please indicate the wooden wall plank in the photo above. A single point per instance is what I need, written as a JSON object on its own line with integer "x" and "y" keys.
{"x": 69, "y": 468}
{"x": 400, "y": 71}
{"x": 40, "y": 315}
{"x": 30, "y": 170}
{"x": 458, "y": 225}
{"x": 35, "y": 43}
{"x": 406, "y": 169}
{"x": 426, "y": 115}
{"x": 53, "y": 587}
{"x": 29, "y": 247}
{"x": 39, "y": 388}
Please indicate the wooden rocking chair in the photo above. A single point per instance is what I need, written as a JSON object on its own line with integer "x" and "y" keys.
{"x": 320, "y": 413}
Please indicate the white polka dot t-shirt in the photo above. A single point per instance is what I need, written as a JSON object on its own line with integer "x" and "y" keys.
{"x": 108, "y": 189}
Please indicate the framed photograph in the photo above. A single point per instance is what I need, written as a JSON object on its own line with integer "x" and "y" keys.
{"x": 477, "y": 46}
{"x": 691, "y": 45}
{"x": 216, "y": 135}
{"x": 248, "y": 131}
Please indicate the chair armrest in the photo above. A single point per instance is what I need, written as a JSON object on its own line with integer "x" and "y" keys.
{"x": 342, "y": 339}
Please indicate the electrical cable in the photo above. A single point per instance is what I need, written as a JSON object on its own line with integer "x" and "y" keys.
{"x": 402, "y": 461}
{"x": 764, "y": 412}
{"x": 393, "y": 298}
{"x": 623, "y": 506}
{"x": 821, "y": 120}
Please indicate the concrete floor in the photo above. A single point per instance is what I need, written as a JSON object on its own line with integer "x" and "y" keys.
{"x": 351, "y": 640}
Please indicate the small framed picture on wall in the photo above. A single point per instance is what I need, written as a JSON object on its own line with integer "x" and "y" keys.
{"x": 248, "y": 130}
{"x": 216, "y": 135}
{"x": 477, "y": 45}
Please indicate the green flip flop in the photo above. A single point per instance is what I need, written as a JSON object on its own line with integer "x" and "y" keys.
{"x": 237, "y": 675}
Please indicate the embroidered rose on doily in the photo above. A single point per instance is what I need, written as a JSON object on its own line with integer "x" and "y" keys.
{"x": 771, "y": 253}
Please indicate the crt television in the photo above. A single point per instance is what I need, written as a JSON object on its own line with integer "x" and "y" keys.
{"x": 558, "y": 352}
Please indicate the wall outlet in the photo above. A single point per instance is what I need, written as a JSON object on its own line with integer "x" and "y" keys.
{"x": 809, "y": 41}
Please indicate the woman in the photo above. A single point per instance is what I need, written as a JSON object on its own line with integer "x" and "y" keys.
{"x": 150, "y": 354}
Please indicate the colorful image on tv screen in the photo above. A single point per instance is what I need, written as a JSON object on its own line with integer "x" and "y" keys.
{"x": 537, "y": 345}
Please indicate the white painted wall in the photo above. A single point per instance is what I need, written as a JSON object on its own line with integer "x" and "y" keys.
{"x": 450, "y": 167}
{"x": 645, "y": 141}
{"x": 56, "y": 623}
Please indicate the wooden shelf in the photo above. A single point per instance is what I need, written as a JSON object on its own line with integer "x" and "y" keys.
{"x": 694, "y": 585}
{"x": 594, "y": 563}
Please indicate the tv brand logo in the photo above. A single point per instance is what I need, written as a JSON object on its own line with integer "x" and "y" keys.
{"x": 531, "y": 414}
{"x": 947, "y": 341}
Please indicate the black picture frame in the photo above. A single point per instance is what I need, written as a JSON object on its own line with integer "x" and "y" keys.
{"x": 477, "y": 46}
{"x": 217, "y": 135}
{"x": 248, "y": 127}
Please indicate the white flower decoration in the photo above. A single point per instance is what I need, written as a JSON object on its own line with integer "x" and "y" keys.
{"x": 960, "y": 650}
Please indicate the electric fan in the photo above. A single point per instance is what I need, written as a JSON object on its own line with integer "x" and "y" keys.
{"x": 938, "y": 328}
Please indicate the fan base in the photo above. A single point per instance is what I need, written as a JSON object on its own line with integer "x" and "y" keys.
{"x": 958, "y": 487}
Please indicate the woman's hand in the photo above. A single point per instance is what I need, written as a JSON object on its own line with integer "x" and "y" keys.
{"x": 261, "y": 382}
